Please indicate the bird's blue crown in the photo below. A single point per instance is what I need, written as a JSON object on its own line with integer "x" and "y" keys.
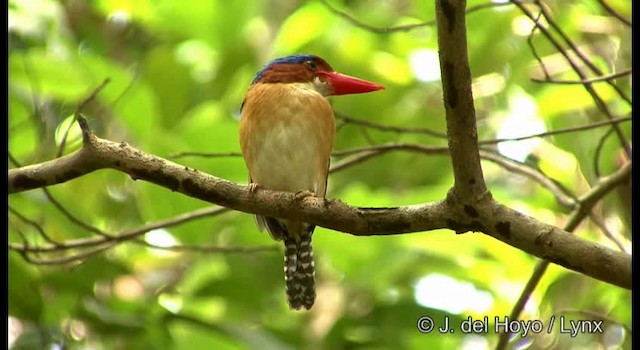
{"x": 293, "y": 59}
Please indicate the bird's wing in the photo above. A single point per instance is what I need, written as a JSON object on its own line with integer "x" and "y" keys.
{"x": 259, "y": 219}
{"x": 274, "y": 228}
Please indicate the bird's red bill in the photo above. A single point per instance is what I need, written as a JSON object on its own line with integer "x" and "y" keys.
{"x": 343, "y": 84}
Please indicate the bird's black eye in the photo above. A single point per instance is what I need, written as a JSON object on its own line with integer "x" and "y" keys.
{"x": 311, "y": 65}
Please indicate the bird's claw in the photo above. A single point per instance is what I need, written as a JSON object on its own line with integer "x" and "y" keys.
{"x": 253, "y": 187}
{"x": 300, "y": 195}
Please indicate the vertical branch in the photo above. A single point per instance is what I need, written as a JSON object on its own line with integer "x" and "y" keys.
{"x": 458, "y": 99}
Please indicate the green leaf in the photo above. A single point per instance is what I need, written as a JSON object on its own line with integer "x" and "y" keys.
{"x": 25, "y": 299}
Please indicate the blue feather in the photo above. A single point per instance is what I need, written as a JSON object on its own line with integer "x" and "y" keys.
{"x": 293, "y": 59}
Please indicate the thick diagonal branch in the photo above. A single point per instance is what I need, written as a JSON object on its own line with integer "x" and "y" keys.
{"x": 520, "y": 231}
{"x": 469, "y": 191}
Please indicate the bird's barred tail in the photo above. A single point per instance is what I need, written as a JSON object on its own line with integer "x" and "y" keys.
{"x": 299, "y": 271}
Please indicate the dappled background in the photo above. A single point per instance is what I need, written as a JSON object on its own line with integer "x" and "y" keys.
{"x": 189, "y": 275}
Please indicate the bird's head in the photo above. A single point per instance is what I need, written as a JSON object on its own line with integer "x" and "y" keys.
{"x": 315, "y": 70}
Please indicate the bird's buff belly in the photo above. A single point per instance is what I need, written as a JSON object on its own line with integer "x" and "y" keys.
{"x": 287, "y": 159}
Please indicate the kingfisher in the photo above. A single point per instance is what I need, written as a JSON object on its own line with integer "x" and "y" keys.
{"x": 287, "y": 130}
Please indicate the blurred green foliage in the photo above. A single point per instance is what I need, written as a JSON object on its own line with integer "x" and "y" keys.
{"x": 177, "y": 72}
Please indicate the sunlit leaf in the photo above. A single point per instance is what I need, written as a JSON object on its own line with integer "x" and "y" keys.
{"x": 302, "y": 27}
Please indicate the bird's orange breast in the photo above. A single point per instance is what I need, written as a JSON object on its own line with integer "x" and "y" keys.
{"x": 286, "y": 135}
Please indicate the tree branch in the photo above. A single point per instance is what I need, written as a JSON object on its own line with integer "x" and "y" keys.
{"x": 458, "y": 99}
{"x": 468, "y": 206}
{"x": 486, "y": 215}
{"x": 583, "y": 208}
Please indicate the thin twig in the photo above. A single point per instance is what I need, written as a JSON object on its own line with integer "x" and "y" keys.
{"x": 600, "y": 104}
{"x": 597, "y": 220}
{"x": 79, "y": 109}
{"x": 117, "y": 99}
{"x": 79, "y": 257}
{"x": 563, "y": 196}
{"x": 598, "y": 152}
{"x": 403, "y": 28}
{"x": 603, "y": 78}
{"x": 205, "y": 154}
{"x": 391, "y": 128}
{"x": 360, "y": 154}
{"x": 357, "y": 155}
{"x": 199, "y": 248}
{"x": 525, "y": 295}
{"x": 92, "y": 95}
{"x": 583, "y": 57}
{"x": 129, "y": 234}
{"x": 366, "y": 135}
{"x": 584, "y": 207}
{"x": 534, "y": 51}
{"x": 72, "y": 217}
{"x": 98, "y": 244}
{"x": 560, "y": 131}
{"x": 603, "y": 186}
{"x": 35, "y": 225}
{"x": 393, "y": 146}
{"x": 353, "y": 160}
{"x": 23, "y": 237}
{"x": 615, "y": 13}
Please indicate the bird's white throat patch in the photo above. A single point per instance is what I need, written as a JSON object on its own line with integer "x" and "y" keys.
{"x": 317, "y": 86}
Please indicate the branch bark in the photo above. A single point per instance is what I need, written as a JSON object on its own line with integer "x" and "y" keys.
{"x": 498, "y": 220}
{"x": 458, "y": 100}
{"x": 483, "y": 215}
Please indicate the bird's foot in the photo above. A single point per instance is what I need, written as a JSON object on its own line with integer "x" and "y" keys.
{"x": 253, "y": 187}
{"x": 300, "y": 195}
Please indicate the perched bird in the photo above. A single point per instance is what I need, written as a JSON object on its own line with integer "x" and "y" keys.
{"x": 287, "y": 129}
